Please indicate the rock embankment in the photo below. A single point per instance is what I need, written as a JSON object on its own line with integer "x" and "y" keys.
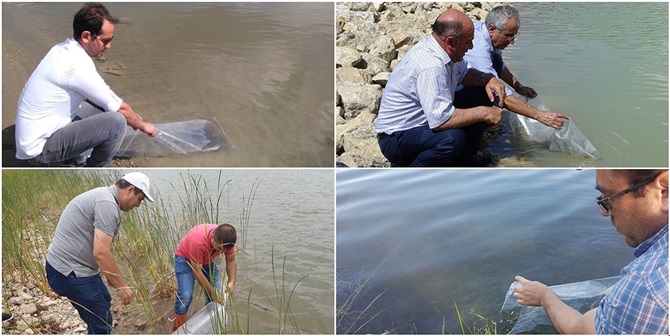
{"x": 371, "y": 39}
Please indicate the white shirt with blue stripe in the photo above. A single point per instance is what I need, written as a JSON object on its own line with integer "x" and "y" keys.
{"x": 421, "y": 89}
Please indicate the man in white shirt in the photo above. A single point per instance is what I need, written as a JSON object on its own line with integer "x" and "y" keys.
{"x": 421, "y": 122}
{"x": 48, "y": 130}
{"x": 492, "y": 36}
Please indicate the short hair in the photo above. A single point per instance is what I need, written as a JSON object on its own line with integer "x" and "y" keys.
{"x": 447, "y": 28}
{"x": 225, "y": 234}
{"x": 91, "y": 17}
{"x": 499, "y": 16}
{"x": 635, "y": 176}
{"x": 123, "y": 184}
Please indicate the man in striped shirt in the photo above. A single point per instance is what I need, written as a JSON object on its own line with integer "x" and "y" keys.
{"x": 421, "y": 122}
{"x": 637, "y": 203}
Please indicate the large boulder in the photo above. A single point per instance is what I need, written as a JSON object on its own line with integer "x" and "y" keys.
{"x": 360, "y": 98}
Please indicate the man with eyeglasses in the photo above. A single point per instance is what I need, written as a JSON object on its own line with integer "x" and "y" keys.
{"x": 82, "y": 249}
{"x": 637, "y": 203}
{"x": 421, "y": 120}
{"x": 195, "y": 260}
{"x": 49, "y": 131}
{"x": 499, "y": 30}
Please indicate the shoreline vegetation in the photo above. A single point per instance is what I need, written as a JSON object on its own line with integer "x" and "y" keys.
{"x": 371, "y": 40}
{"x": 32, "y": 203}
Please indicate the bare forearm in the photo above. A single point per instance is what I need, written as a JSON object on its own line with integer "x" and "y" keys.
{"x": 565, "y": 319}
{"x": 508, "y": 77}
{"x": 132, "y": 118}
{"x": 517, "y": 106}
{"x": 231, "y": 270}
{"x": 475, "y": 77}
{"x": 109, "y": 269}
{"x": 202, "y": 280}
{"x": 464, "y": 117}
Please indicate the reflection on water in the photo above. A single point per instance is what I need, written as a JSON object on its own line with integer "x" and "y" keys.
{"x": 613, "y": 82}
{"x": 264, "y": 71}
{"x": 418, "y": 242}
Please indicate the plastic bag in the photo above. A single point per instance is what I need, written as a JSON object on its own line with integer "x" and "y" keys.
{"x": 568, "y": 140}
{"x": 582, "y": 296}
{"x": 174, "y": 138}
{"x": 181, "y": 137}
{"x": 211, "y": 319}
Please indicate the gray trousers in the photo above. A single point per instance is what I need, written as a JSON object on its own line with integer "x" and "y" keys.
{"x": 102, "y": 132}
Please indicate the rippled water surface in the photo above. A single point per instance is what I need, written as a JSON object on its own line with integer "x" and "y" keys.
{"x": 264, "y": 71}
{"x": 414, "y": 243}
{"x": 606, "y": 66}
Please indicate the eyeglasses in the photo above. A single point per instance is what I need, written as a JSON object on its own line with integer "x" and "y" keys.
{"x": 509, "y": 37}
{"x": 603, "y": 202}
{"x": 104, "y": 41}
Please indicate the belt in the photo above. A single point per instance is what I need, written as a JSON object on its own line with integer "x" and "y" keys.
{"x": 381, "y": 136}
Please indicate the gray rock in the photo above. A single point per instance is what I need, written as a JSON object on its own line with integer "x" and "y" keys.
{"x": 381, "y": 78}
{"x": 79, "y": 329}
{"x": 28, "y": 308}
{"x": 359, "y": 98}
{"x": 347, "y": 57}
{"x": 375, "y": 64}
{"x": 359, "y": 6}
{"x": 349, "y": 75}
{"x": 384, "y": 47}
{"x": 16, "y": 300}
{"x": 26, "y": 297}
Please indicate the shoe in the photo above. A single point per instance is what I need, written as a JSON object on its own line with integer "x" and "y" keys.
{"x": 6, "y": 317}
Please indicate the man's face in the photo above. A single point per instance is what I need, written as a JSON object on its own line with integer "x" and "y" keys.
{"x": 501, "y": 39}
{"x": 633, "y": 216}
{"x": 462, "y": 44}
{"x": 98, "y": 44}
{"x": 128, "y": 200}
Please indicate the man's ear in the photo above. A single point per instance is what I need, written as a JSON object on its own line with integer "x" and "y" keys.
{"x": 662, "y": 182}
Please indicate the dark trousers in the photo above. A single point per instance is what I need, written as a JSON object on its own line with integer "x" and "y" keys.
{"x": 88, "y": 295}
{"x": 423, "y": 147}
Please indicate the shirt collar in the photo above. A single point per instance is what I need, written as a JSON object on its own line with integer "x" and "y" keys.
{"x": 115, "y": 193}
{"x": 642, "y": 248}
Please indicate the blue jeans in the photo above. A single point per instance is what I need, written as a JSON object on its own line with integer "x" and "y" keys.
{"x": 88, "y": 295}
{"x": 102, "y": 132}
{"x": 186, "y": 283}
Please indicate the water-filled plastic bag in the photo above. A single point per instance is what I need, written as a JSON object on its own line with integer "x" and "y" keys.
{"x": 582, "y": 296}
{"x": 211, "y": 319}
{"x": 567, "y": 140}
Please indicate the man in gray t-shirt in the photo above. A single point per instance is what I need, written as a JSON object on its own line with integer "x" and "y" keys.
{"x": 81, "y": 249}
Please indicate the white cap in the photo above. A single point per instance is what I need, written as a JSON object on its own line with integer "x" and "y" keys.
{"x": 140, "y": 181}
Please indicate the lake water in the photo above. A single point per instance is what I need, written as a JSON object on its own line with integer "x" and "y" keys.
{"x": 292, "y": 213}
{"x": 418, "y": 242}
{"x": 264, "y": 71}
{"x": 606, "y": 66}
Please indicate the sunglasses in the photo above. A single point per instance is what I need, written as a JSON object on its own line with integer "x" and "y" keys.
{"x": 104, "y": 41}
{"x": 604, "y": 202}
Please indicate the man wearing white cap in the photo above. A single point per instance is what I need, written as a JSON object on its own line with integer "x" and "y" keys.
{"x": 82, "y": 249}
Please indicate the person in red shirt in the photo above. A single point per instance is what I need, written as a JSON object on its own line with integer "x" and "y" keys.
{"x": 195, "y": 259}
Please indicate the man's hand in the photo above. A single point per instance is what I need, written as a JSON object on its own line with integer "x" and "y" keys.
{"x": 219, "y": 298}
{"x": 149, "y": 129}
{"x": 126, "y": 294}
{"x": 230, "y": 287}
{"x": 492, "y": 115}
{"x": 552, "y": 119}
{"x": 495, "y": 86}
{"x": 526, "y": 91}
{"x": 530, "y": 293}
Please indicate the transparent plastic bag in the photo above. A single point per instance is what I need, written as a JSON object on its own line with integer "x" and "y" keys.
{"x": 568, "y": 140}
{"x": 210, "y": 320}
{"x": 582, "y": 296}
{"x": 182, "y": 137}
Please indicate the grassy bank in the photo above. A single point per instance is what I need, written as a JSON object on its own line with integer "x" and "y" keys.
{"x": 34, "y": 199}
